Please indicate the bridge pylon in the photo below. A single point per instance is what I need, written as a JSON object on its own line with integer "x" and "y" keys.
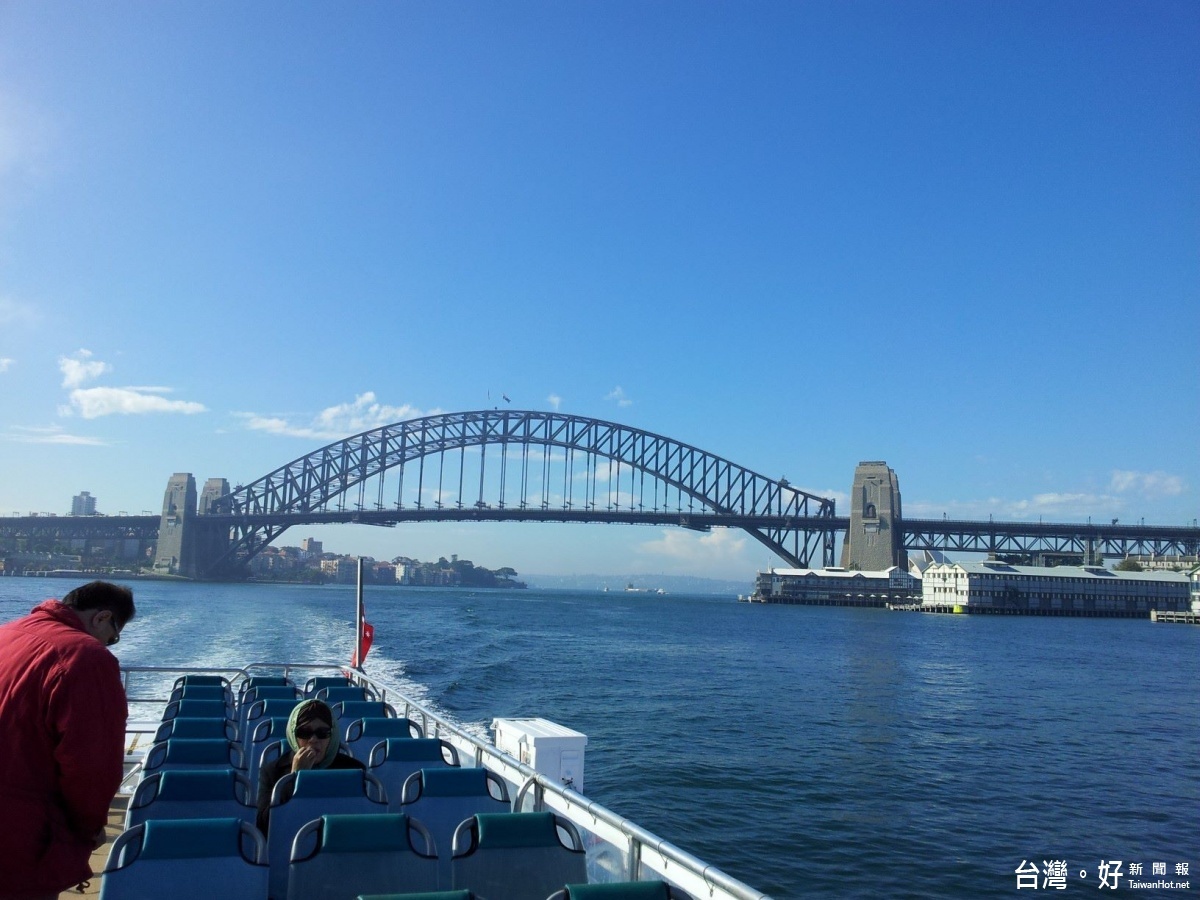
{"x": 874, "y": 540}
{"x": 175, "y": 554}
{"x": 188, "y": 546}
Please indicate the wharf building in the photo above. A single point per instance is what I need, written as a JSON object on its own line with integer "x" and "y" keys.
{"x": 1001, "y": 588}
{"x": 836, "y": 586}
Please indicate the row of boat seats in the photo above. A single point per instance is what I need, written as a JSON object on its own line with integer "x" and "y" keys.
{"x": 361, "y": 736}
{"x": 191, "y": 794}
{"x": 503, "y": 856}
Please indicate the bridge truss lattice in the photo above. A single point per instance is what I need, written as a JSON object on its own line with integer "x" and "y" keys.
{"x": 498, "y": 465}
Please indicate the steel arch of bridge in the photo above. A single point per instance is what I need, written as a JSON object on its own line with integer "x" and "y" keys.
{"x": 792, "y": 523}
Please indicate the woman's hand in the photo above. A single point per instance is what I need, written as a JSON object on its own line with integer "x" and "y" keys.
{"x": 305, "y": 758}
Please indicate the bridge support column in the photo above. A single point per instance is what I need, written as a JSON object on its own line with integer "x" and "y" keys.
{"x": 873, "y": 541}
{"x": 211, "y": 541}
{"x": 175, "y": 554}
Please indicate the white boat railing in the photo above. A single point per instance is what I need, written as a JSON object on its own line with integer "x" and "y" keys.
{"x": 617, "y": 849}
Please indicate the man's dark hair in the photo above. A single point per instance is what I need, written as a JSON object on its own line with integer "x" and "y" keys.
{"x": 103, "y": 595}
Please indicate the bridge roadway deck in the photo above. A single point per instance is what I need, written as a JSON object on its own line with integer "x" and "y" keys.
{"x": 934, "y": 534}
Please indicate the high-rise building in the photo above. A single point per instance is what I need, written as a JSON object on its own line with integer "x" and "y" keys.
{"x": 83, "y": 504}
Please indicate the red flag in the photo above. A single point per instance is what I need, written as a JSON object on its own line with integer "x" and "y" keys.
{"x": 368, "y": 635}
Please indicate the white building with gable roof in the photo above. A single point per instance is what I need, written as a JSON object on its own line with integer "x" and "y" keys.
{"x": 999, "y": 587}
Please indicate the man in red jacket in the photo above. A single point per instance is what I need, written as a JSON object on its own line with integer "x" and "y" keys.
{"x": 62, "y": 736}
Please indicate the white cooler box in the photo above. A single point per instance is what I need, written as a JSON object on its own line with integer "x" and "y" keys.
{"x": 548, "y": 748}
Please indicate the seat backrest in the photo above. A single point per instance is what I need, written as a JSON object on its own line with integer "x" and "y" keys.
{"x": 362, "y": 709}
{"x": 184, "y": 859}
{"x": 516, "y": 856}
{"x": 195, "y": 678}
{"x": 392, "y": 761}
{"x": 266, "y": 731}
{"x": 191, "y": 794}
{"x": 264, "y": 681}
{"x": 193, "y": 753}
{"x": 264, "y": 709}
{"x": 622, "y": 890}
{"x": 363, "y": 734}
{"x": 216, "y": 727}
{"x": 300, "y": 797}
{"x": 332, "y": 695}
{"x": 440, "y": 799}
{"x": 256, "y": 702}
{"x": 266, "y": 692}
{"x": 191, "y": 709}
{"x": 343, "y": 855}
{"x": 323, "y": 681}
{"x": 203, "y": 692}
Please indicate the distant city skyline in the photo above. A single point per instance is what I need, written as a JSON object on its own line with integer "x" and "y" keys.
{"x": 959, "y": 238}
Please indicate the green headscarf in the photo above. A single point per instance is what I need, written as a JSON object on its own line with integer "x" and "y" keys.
{"x": 312, "y": 712}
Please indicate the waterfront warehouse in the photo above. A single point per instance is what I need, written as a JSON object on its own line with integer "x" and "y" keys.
{"x": 993, "y": 586}
{"x": 836, "y": 586}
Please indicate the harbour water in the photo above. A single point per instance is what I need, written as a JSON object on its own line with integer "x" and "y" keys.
{"x": 808, "y": 751}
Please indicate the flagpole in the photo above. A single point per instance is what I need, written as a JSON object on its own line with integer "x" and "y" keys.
{"x": 359, "y": 615}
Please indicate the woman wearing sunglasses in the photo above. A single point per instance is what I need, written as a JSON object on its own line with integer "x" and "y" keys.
{"x": 312, "y": 734}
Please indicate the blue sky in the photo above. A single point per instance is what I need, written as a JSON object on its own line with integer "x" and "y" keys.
{"x": 959, "y": 237}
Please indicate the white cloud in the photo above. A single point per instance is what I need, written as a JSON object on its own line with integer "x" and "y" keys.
{"x": 92, "y": 403}
{"x": 362, "y": 414}
{"x": 618, "y": 394}
{"x": 719, "y": 546}
{"x": 52, "y": 435}
{"x": 555, "y": 401}
{"x": 1148, "y": 484}
{"x": 6, "y": 363}
{"x": 81, "y": 368}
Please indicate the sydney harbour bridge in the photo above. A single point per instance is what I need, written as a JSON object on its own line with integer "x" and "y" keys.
{"x": 507, "y": 465}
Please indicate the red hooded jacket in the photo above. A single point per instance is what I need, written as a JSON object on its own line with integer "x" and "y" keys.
{"x": 62, "y": 737}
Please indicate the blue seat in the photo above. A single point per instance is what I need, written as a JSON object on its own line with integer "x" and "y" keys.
{"x": 362, "y": 709}
{"x": 191, "y": 794}
{"x": 264, "y": 681}
{"x": 281, "y": 699}
{"x": 363, "y": 734}
{"x": 338, "y": 856}
{"x": 193, "y": 753}
{"x": 216, "y": 727}
{"x": 300, "y": 797}
{"x": 271, "y": 730}
{"x": 441, "y": 799}
{"x": 621, "y": 890}
{"x": 203, "y": 692}
{"x": 193, "y": 709}
{"x": 332, "y": 695}
{"x": 323, "y": 681}
{"x": 395, "y": 759}
{"x": 266, "y": 692}
{"x": 196, "y": 678}
{"x": 187, "y": 859}
{"x": 432, "y": 895}
{"x": 516, "y": 856}
{"x": 264, "y": 709}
